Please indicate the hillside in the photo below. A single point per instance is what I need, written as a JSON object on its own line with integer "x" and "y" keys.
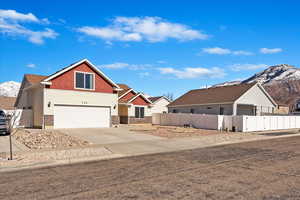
{"x": 281, "y": 81}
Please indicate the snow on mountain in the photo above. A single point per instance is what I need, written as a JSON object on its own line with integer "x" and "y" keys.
{"x": 276, "y": 73}
{"x": 271, "y": 75}
{"x": 9, "y": 89}
{"x": 227, "y": 83}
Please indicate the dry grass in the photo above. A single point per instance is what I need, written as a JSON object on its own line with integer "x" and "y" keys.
{"x": 171, "y": 131}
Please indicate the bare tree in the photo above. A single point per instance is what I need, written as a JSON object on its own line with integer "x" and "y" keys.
{"x": 169, "y": 95}
{"x": 12, "y": 119}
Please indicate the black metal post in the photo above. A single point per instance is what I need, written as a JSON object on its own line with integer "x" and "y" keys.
{"x": 10, "y": 148}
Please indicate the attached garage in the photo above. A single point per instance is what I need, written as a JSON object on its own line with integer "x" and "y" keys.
{"x": 66, "y": 116}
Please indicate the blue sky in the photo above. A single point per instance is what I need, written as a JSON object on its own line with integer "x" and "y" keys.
{"x": 154, "y": 46}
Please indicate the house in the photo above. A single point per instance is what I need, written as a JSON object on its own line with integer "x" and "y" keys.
{"x": 7, "y": 103}
{"x": 242, "y": 99}
{"x": 282, "y": 109}
{"x": 133, "y": 107}
{"x": 77, "y": 96}
{"x": 159, "y": 104}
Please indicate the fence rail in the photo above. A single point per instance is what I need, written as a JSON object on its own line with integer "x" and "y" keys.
{"x": 240, "y": 123}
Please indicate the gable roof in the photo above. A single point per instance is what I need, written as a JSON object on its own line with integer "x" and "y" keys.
{"x": 34, "y": 78}
{"x": 136, "y": 96}
{"x": 125, "y": 89}
{"x": 213, "y": 95}
{"x": 7, "y": 103}
{"x": 154, "y": 99}
{"x": 49, "y": 78}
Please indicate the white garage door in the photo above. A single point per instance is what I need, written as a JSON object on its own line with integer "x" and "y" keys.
{"x": 81, "y": 117}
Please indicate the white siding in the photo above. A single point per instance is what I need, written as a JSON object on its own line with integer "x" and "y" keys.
{"x": 131, "y": 110}
{"x": 160, "y": 106}
{"x": 69, "y": 97}
{"x": 255, "y": 96}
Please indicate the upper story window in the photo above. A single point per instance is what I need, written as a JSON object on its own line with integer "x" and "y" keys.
{"x": 84, "y": 80}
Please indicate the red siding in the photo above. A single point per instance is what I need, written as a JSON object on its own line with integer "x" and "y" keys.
{"x": 128, "y": 96}
{"x": 140, "y": 101}
{"x": 66, "y": 80}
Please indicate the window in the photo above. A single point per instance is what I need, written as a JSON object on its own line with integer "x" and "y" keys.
{"x": 174, "y": 111}
{"x": 221, "y": 111}
{"x": 84, "y": 80}
{"x": 139, "y": 112}
{"x": 208, "y": 108}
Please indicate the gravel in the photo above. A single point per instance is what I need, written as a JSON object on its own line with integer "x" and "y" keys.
{"x": 47, "y": 139}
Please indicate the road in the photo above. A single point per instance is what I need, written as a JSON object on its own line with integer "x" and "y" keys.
{"x": 268, "y": 170}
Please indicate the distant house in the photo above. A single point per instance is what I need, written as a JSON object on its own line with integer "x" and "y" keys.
{"x": 159, "y": 104}
{"x": 282, "y": 109}
{"x": 7, "y": 103}
{"x": 242, "y": 99}
{"x": 77, "y": 96}
{"x": 133, "y": 106}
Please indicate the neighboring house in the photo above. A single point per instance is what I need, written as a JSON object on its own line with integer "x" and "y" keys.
{"x": 242, "y": 99}
{"x": 282, "y": 109}
{"x": 7, "y": 103}
{"x": 159, "y": 104}
{"x": 77, "y": 96}
{"x": 134, "y": 107}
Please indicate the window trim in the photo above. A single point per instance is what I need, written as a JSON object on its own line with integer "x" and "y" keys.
{"x": 139, "y": 107}
{"x": 93, "y": 75}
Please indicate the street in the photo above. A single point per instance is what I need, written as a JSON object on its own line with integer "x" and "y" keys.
{"x": 268, "y": 169}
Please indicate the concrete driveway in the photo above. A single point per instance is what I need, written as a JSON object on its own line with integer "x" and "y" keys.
{"x": 104, "y": 136}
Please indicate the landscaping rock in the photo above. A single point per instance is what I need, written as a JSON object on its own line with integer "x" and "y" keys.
{"x": 47, "y": 139}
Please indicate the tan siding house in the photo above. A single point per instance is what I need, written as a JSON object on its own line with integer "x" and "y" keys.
{"x": 242, "y": 99}
{"x": 78, "y": 96}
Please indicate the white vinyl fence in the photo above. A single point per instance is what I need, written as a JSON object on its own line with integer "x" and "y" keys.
{"x": 241, "y": 123}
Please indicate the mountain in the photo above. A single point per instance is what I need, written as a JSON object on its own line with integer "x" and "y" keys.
{"x": 9, "y": 89}
{"x": 281, "y": 81}
{"x": 276, "y": 73}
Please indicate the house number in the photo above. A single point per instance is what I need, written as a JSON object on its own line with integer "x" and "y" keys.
{"x": 84, "y": 102}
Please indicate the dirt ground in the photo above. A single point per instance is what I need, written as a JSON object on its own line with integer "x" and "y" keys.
{"x": 47, "y": 139}
{"x": 267, "y": 170}
{"x": 172, "y": 131}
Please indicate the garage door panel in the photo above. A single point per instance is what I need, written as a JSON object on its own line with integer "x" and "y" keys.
{"x": 81, "y": 117}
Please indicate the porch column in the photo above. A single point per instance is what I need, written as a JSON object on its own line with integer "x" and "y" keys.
{"x": 234, "y": 108}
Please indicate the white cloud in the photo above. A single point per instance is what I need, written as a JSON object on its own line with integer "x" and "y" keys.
{"x": 144, "y": 74}
{"x": 152, "y": 29}
{"x": 223, "y": 51}
{"x": 244, "y": 53}
{"x": 190, "y": 73}
{"x": 216, "y": 50}
{"x": 31, "y": 65}
{"x": 13, "y": 15}
{"x": 243, "y": 67}
{"x": 161, "y": 62}
{"x": 116, "y": 65}
{"x": 270, "y": 51}
{"x": 10, "y": 24}
{"x": 120, "y": 65}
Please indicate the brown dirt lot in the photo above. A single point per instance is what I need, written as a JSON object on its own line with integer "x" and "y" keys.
{"x": 267, "y": 170}
{"x": 172, "y": 131}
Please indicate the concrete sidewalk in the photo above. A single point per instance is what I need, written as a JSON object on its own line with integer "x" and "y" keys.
{"x": 4, "y": 145}
{"x": 178, "y": 144}
{"x": 114, "y": 150}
